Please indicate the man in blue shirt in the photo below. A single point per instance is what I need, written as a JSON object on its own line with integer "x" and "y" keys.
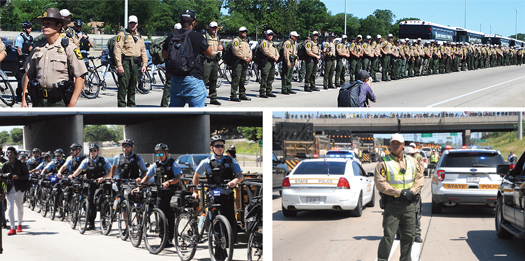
{"x": 128, "y": 164}
{"x": 52, "y": 167}
{"x": 23, "y": 44}
{"x": 366, "y": 92}
{"x": 47, "y": 159}
{"x": 72, "y": 162}
{"x": 35, "y": 160}
{"x": 224, "y": 168}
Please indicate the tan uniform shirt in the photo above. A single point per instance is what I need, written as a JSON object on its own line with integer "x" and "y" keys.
{"x": 311, "y": 47}
{"x": 269, "y": 50}
{"x": 395, "y": 51}
{"x": 386, "y": 46}
{"x": 376, "y": 48}
{"x": 382, "y": 183}
{"x": 420, "y": 50}
{"x": 408, "y": 52}
{"x": 402, "y": 52}
{"x": 74, "y": 37}
{"x": 428, "y": 52}
{"x": 128, "y": 47}
{"x": 367, "y": 50}
{"x": 342, "y": 49}
{"x": 359, "y": 49}
{"x": 2, "y": 48}
{"x": 241, "y": 48}
{"x": 214, "y": 43}
{"x": 437, "y": 51}
{"x": 48, "y": 63}
{"x": 289, "y": 49}
{"x": 329, "y": 49}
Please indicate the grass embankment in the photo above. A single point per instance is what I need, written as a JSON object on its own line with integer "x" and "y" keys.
{"x": 506, "y": 142}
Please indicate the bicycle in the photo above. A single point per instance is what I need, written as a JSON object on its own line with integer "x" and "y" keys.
{"x": 45, "y": 195}
{"x": 253, "y": 222}
{"x": 225, "y": 73}
{"x": 112, "y": 208}
{"x": 83, "y": 209}
{"x": 146, "y": 81}
{"x": 189, "y": 226}
{"x": 146, "y": 221}
{"x": 60, "y": 202}
{"x": 6, "y": 90}
{"x": 31, "y": 192}
{"x": 74, "y": 193}
{"x": 95, "y": 81}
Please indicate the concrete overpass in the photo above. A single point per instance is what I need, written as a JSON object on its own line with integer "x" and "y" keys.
{"x": 466, "y": 125}
{"x": 184, "y": 132}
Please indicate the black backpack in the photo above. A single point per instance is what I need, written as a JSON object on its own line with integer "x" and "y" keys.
{"x": 349, "y": 95}
{"x": 180, "y": 60}
{"x": 84, "y": 44}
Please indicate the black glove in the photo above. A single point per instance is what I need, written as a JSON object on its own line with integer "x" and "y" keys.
{"x": 407, "y": 195}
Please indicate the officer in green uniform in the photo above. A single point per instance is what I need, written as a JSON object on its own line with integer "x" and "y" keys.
{"x": 313, "y": 54}
{"x": 398, "y": 178}
{"x": 386, "y": 52}
{"x": 241, "y": 49}
{"x": 329, "y": 62}
{"x": 342, "y": 54}
{"x": 376, "y": 47}
{"x": 271, "y": 55}
{"x": 211, "y": 64}
{"x": 55, "y": 68}
{"x": 289, "y": 62}
{"x": 130, "y": 52}
{"x": 356, "y": 52}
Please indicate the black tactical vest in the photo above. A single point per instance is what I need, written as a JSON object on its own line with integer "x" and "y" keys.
{"x": 96, "y": 169}
{"x": 164, "y": 171}
{"x": 220, "y": 172}
{"x": 59, "y": 165}
{"x": 34, "y": 162}
{"x": 28, "y": 41}
{"x": 76, "y": 163}
{"x": 129, "y": 167}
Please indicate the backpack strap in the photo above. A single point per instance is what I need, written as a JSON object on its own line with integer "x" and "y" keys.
{"x": 65, "y": 43}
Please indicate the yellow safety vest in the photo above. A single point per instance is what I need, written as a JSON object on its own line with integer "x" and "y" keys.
{"x": 400, "y": 180}
{"x": 433, "y": 158}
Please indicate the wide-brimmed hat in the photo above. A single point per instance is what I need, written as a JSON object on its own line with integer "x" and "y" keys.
{"x": 50, "y": 13}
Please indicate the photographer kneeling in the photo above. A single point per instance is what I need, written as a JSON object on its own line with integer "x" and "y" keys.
{"x": 15, "y": 188}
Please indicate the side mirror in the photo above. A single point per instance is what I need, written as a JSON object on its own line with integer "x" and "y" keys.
{"x": 281, "y": 160}
{"x": 503, "y": 170}
{"x": 370, "y": 174}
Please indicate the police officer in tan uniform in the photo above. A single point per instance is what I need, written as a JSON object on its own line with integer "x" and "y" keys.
{"x": 268, "y": 65}
{"x": 313, "y": 55}
{"x": 49, "y": 80}
{"x": 68, "y": 31}
{"x": 386, "y": 52}
{"x": 3, "y": 53}
{"x": 368, "y": 53}
{"x": 356, "y": 51}
{"x": 289, "y": 62}
{"x": 376, "y": 47}
{"x": 211, "y": 64}
{"x": 342, "y": 53}
{"x": 241, "y": 49}
{"x": 329, "y": 62}
{"x": 130, "y": 52}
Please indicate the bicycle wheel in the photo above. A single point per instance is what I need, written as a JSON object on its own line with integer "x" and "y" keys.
{"x": 83, "y": 216}
{"x": 6, "y": 90}
{"x": 186, "y": 234}
{"x": 144, "y": 83}
{"x": 122, "y": 210}
{"x": 155, "y": 231}
{"x": 105, "y": 217}
{"x": 51, "y": 202}
{"x": 45, "y": 203}
{"x": 219, "y": 79}
{"x": 72, "y": 212}
{"x": 255, "y": 247}
{"x": 162, "y": 75}
{"x": 92, "y": 85}
{"x": 135, "y": 226}
{"x": 38, "y": 200}
{"x": 32, "y": 198}
{"x": 220, "y": 239}
{"x": 114, "y": 74}
{"x": 61, "y": 207}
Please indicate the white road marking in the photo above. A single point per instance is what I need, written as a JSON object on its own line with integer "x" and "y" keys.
{"x": 480, "y": 90}
{"x": 416, "y": 250}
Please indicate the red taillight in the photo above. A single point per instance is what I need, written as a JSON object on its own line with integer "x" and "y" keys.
{"x": 316, "y": 156}
{"x": 441, "y": 175}
{"x": 343, "y": 183}
{"x": 464, "y": 147}
{"x": 286, "y": 183}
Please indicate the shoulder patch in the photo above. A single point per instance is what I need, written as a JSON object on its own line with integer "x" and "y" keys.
{"x": 118, "y": 38}
{"x": 235, "y": 43}
{"x": 79, "y": 55}
{"x": 287, "y": 45}
{"x": 382, "y": 172}
{"x": 264, "y": 44}
{"x": 308, "y": 45}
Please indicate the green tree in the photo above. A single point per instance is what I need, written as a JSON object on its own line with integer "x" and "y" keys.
{"x": 251, "y": 133}
{"x": 99, "y": 133}
{"x": 4, "y": 137}
{"x": 17, "y": 135}
{"x": 312, "y": 16}
{"x": 118, "y": 130}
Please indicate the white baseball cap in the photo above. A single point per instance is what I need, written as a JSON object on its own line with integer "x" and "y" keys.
{"x": 213, "y": 24}
{"x": 242, "y": 29}
{"x": 268, "y": 32}
{"x": 65, "y": 13}
{"x": 368, "y": 37}
{"x": 359, "y": 36}
{"x": 412, "y": 145}
{"x": 419, "y": 39}
{"x": 378, "y": 36}
{"x": 397, "y": 137}
{"x": 315, "y": 32}
{"x": 409, "y": 150}
{"x": 133, "y": 19}
{"x": 294, "y": 33}
{"x": 177, "y": 26}
{"x": 390, "y": 35}
{"x": 344, "y": 36}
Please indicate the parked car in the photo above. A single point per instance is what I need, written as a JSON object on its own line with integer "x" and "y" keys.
{"x": 466, "y": 177}
{"x": 328, "y": 184}
{"x": 189, "y": 163}
{"x": 279, "y": 171}
{"x": 510, "y": 212}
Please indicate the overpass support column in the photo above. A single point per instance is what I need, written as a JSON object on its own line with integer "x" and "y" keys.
{"x": 466, "y": 137}
{"x": 520, "y": 125}
{"x": 183, "y": 134}
{"x": 56, "y": 133}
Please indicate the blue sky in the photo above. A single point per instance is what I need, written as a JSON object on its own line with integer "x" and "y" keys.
{"x": 500, "y": 15}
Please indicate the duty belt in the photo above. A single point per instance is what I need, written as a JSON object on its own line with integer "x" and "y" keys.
{"x": 132, "y": 58}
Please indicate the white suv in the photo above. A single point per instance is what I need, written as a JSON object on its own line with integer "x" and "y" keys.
{"x": 466, "y": 177}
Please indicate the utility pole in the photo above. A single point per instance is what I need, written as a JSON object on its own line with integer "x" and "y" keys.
{"x": 345, "y": 17}
{"x": 125, "y": 13}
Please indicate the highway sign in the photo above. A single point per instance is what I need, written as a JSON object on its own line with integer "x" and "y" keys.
{"x": 260, "y": 143}
{"x": 426, "y": 135}
{"x": 453, "y": 134}
{"x": 483, "y": 140}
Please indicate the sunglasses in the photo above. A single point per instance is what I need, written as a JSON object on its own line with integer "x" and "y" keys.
{"x": 159, "y": 154}
{"x": 92, "y": 150}
{"x": 219, "y": 146}
{"x": 126, "y": 146}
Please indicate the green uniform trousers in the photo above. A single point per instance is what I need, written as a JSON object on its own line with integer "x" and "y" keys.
{"x": 311, "y": 71}
{"x": 448, "y": 65}
{"x": 165, "y": 100}
{"x": 355, "y": 67}
{"x": 374, "y": 68}
{"x": 238, "y": 79}
{"x": 127, "y": 83}
{"x": 211, "y": 72}
{"x": 411, "y": 67}
{"x": 404, "y": 67}
{"x": 267, "y": 78}
{"x": 329, "y": 67}
{"x": 286, "y": 77}
{"x": 417, "y": 66}
{"x": 386, "y": 67}
{"x": 302, "y": 70}
{"x": 402, "y": 216}
{"x": 435, "y": 66}
{"x": 340, "y": 72}
{"x": 419, "y": 210}
{"x": 45, "y": 103}
{"x": 367, "y": 62}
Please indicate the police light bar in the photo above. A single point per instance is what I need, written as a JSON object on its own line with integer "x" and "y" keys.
{"x": 340, "y": 156}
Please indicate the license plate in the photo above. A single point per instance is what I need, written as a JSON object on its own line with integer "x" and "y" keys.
{"x": 455, "y": 186}
{"x": 313, "y": 200}
{"x": 473, "y": 179}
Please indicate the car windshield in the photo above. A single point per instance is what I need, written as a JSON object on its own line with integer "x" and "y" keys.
{"x": 198, "y": 159}
{"x": 472, "y": 159}
{"x": 321, "y": 167}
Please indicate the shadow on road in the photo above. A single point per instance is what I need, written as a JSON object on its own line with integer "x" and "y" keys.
{"x": 369, "y": 238}
{"x": 39, "y": 233}
{"x": 487, "y": 246}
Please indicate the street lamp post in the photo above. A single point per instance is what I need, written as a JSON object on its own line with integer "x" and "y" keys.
{"x": 480, "y": 27}
{"x": 345, "y": 16}
{"x": 465, "y": 14}
{"x": 490, "y": 29}
{"x": 256, "y": 31}
{"x": 516, "y": 23}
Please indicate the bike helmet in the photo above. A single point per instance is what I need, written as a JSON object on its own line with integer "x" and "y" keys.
{"x": 215, "y": 138}
{"x": 161, "y": 146}
{"x": 129, "y": 142}
{"x": 59, "y": 152}
{"x": 36, "y": 150}
{"x": 231, "y": 148}
{"x": 78, "y": 22}
{"x": 94, "y": 146}
{"x": 27, "y": 24}
{"x": 75, "y": 146}
{"x": 48, "y": 155}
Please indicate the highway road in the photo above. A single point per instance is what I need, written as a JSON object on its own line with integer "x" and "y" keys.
{"x": 462, "y": 233}
{"x": 492, "y": 87}
{"x": 43, "y": 239}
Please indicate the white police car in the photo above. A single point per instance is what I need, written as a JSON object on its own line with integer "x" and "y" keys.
{"x": 330, "y": 183}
